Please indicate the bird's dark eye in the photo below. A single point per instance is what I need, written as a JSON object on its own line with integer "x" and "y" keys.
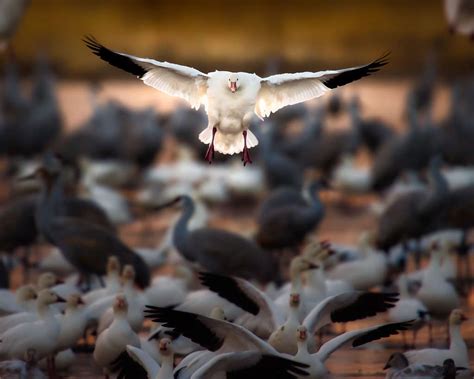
{"x": 237, "y": 79}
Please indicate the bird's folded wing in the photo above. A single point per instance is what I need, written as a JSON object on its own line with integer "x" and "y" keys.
{"x": 361, "y": 337}
{"x": 173, "y": 79}
{"x": 278, "y": 91}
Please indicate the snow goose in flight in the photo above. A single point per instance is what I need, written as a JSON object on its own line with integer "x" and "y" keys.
{"x": 232, "y": 98}
{"x": 460, "y": 16}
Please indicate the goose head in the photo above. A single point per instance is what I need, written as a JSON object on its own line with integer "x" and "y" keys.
{"x": 128, "y": 274}
{"x": 301, "y": 333}
{"x": 233, "y": 82}
{"x": 299, "y": 264}
{"x": 457, "y": 317}
{"x": 318, "y": 251}
{"x": 25, "y": 293}
{"x": 48, "y": 280}
{"x": 295, "y": 300}
{"x": 74, "y": 301}
{"x": 165, "y": 347}
{"x": 120, "y": 305}
{"x": 397, "y": 361}
{"x": 113, "y": 265}
{"x": 217, "y": 313}
{"x": 47, "y": 297}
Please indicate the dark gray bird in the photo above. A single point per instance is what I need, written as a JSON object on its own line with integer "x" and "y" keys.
{"x": 220, "y": 251}
{"x": 374, "y": 133}
{"x": 86, "y": 244}
{"x": 415, "y": 213}
{"x": 286, "y": 226}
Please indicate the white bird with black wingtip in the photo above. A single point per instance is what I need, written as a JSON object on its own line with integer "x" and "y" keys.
{"x": 231, "y": 99}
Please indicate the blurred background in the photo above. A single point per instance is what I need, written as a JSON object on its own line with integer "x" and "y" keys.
{"x": 248, "y": 36}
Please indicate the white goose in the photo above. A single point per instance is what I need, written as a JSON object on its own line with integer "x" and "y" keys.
{"x": 112, "y": 282}
{"x": 40, "y": 335}
{"x": 399, "y": 368}
{"x": 457, "y": 350}
{"x": 22, "y": 300}
{"x": 22, "y": 369}
{"x": 219, "y": 337}
{"x": 317, "y": 369}
{"x": 113, "y": 340}
{"x": 262, "y": 318}
{"x": 437, "y": 294}
{"x": 408, "y": 308}
{"x": 73, "y": 323}
{"x": 232, "y": 98}
{"x": 152, "y": 369}
{"x": 135, "y": 299}
{"x": 298, "y": 266}
{"x": 364, "y": 273}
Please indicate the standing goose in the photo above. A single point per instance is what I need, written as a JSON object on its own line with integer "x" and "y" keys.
{"x": 456, "y": 351}
{"x": 113, "y": 340}
{"x": 218, "y": 250}
{"x": 40, "y": 335}
{"x": 399, "y": 368}
{"x": 232, "y": 98}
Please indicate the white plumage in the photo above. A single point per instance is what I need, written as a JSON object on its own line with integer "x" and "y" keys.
{"x": 231, "y": 99}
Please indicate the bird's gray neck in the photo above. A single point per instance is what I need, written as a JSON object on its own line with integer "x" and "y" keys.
{"x": 180, "y": 232}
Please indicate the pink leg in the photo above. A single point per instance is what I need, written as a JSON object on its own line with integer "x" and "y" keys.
{"x": 210, "y": 150}
{"x": 245, "y": 153}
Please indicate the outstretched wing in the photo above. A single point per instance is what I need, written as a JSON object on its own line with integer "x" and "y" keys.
{"x": 348, "y": 306}
{"x": 361, "y": 337}
{"x": 278, "y": 91}
{"x": 173, "y": 79}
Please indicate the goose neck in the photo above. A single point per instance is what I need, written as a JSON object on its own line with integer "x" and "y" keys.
{"x": 181, "y": 231}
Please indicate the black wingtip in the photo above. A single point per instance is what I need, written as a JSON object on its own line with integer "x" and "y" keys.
{"x": 383, "y": 331}
{"x": 118, "y": 60}
{"x": 91, "y": 42}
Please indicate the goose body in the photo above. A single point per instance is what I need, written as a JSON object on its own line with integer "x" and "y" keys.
{"x": 457, "y": 349}
{"x": 40, "y": 335}
{"x": 231, "y": 98}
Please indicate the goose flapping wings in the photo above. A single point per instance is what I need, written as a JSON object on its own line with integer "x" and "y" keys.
{"x": 232, "y": 98}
